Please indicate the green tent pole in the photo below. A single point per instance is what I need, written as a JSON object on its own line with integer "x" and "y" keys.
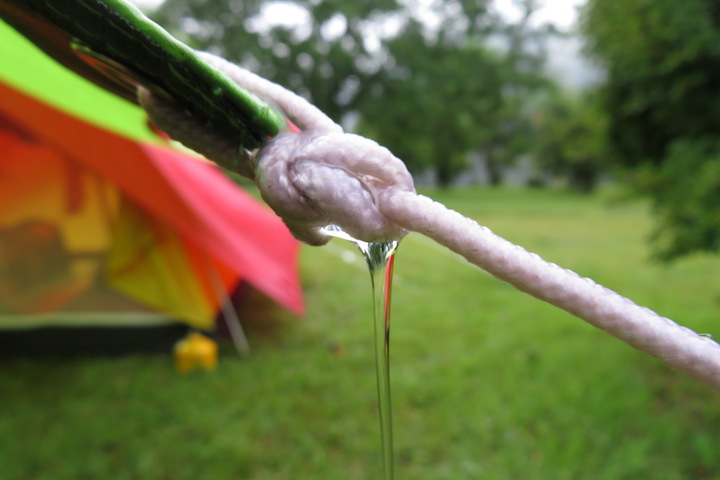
{"x": 113, "y": 44}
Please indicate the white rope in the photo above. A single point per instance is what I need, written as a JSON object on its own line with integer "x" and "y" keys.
{"x": 323, "y": 176}
{"x": 313, "y": 180}
{"x": 303, "y": 113}
{"x": 294, "y": 171}
{"x": 642, "y": 328}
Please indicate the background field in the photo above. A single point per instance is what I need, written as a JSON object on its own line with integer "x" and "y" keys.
{"x": 487, "y": 382}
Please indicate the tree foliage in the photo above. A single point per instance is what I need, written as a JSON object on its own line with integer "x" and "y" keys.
{"x": 434, "y": 104}
{"x": 662, "y": 95}
{"x": 431, "y": 91}
{"x": 330, "y": 68}
{"x": 457, "y": 91}
{"x": 571, "y": 139}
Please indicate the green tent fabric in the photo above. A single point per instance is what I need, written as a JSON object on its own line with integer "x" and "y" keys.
{"x": 113, "y": 43}
{"x": 28, "y": 69}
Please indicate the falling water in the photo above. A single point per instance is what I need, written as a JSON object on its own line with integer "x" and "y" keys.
{"x": 380, "y": 258}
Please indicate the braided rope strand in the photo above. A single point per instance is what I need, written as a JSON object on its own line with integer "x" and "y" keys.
{"x": 324, "y": 176}
{"x": 303, "y": 113}
{"x": 641, "y": 327}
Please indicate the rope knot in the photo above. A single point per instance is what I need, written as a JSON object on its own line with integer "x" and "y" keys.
{"x": 314, "y": 179}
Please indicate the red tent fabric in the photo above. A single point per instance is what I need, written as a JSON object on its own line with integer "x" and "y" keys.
{"x": 188, "y": 195}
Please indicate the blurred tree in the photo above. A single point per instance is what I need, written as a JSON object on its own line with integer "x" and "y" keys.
{"x": 460, "y": 87}
{"x": 571, "y": 139}
{"x": 523, "y": 80}
{"x": 425, "y": 83}
{"x": 434, "y": 104}
{"x": 315, "y": 48}
{"x": 662, "y": 95}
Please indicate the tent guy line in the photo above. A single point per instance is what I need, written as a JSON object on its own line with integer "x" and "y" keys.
{"x": 321, "y": 177}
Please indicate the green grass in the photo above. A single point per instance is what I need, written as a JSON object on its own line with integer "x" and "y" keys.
{"x": 487, "y": 382}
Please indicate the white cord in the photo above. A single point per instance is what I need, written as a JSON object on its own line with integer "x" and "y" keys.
{"x": 642, "y": 328}
{"x": 303, "y": 113}
{"x": 323, "y": 176}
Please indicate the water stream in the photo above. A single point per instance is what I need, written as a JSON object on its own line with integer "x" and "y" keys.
{"x": 380, "y": 258}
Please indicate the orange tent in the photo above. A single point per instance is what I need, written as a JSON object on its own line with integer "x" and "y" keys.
{"x": 79, "y": 203}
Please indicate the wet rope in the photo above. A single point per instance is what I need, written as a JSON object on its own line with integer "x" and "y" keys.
{"x": 323, "y": 176}
{"x": 641, "y": 327}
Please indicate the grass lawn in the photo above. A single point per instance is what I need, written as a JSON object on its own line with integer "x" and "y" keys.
{"x": 487, "y": 382}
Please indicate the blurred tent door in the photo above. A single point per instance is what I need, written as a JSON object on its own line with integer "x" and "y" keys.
{"x": 104, "y": 229}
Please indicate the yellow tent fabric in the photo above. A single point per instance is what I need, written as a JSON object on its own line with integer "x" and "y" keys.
{"x": 150, "y": 262}
{"x": 53, "y": 227}
{"x": 62, "y": 228}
